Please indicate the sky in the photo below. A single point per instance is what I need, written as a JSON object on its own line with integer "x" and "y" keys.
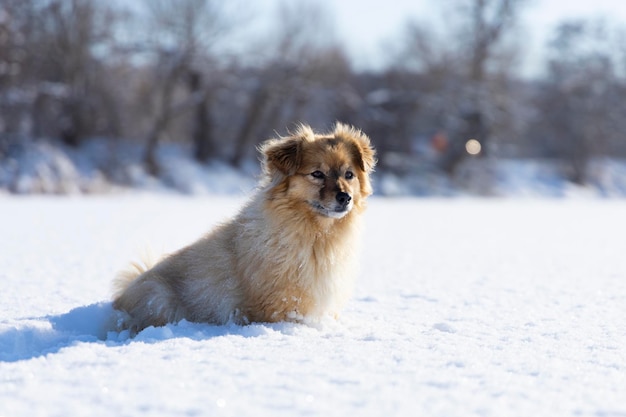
{"x": 368, "y": 28}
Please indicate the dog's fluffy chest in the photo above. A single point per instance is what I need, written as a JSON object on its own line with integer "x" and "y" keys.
{"x": 293, "y": 270}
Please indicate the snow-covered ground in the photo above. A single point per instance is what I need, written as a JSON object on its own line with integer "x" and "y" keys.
{"x": 463, "y": 307}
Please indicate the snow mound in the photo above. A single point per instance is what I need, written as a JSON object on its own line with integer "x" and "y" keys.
{"x": 24, "y": 339}
{"x": 34, "y": 337}
{"x": 102, "y": 165}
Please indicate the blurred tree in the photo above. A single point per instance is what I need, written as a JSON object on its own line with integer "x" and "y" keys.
{"x": 180, "y": 36}
{"x": 16, "y": 21}
{"x": 581, "y": 100}
{"x": 463, "y": 76}
{"x": 301, "y": 61}
{"x": 70, "y": 69}
{"x": 488, "y": 62}
{"x": 53, "y": 62}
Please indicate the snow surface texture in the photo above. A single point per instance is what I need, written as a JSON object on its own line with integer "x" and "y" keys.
{"x": 462, "y": 308}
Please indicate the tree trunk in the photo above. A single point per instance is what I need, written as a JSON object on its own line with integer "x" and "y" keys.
{"x": 204, "y": 146}
{"x": 253, "y": 118}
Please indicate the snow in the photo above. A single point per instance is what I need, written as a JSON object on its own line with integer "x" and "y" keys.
{"x": 105, "y": 165}
{"x": 463, "y": 307}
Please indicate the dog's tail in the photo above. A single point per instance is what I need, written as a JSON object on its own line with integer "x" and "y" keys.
{"x": 126, "y": 276}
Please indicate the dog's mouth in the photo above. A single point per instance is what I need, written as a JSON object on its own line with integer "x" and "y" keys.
{"x": 335, "y": 212}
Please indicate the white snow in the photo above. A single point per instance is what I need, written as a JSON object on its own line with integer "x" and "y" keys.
{"x": 462, "y": 308}
{"x": 105, "y": 165}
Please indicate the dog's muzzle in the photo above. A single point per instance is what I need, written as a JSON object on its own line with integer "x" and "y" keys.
{"x": 339, "y": 208}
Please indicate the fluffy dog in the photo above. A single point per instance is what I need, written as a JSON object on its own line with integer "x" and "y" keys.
{"x": 288, "y": 254}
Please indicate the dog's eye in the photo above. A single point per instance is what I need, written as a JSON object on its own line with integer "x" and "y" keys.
{"x": 349, "y": 175}
{"x": 318, "y": 174}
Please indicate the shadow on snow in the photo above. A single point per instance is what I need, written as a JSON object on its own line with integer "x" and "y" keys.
{"x": 25, "y": 339}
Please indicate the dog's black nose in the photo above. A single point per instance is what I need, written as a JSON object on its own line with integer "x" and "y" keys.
{"x": 343, "y": 198}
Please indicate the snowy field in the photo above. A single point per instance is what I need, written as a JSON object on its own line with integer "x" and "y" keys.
{"x": 462, "y": 308}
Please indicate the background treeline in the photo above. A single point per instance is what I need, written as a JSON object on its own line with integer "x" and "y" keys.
{"x": 183, "y": 71}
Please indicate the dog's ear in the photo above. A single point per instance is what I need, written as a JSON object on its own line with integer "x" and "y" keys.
{"x": 365, "y": 154}
{"x": 283, "y": 155}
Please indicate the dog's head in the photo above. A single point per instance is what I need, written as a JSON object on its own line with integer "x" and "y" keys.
{"x": 327, "y": 174}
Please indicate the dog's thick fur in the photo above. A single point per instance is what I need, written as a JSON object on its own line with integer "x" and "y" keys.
{"x": 288, "y": 254}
